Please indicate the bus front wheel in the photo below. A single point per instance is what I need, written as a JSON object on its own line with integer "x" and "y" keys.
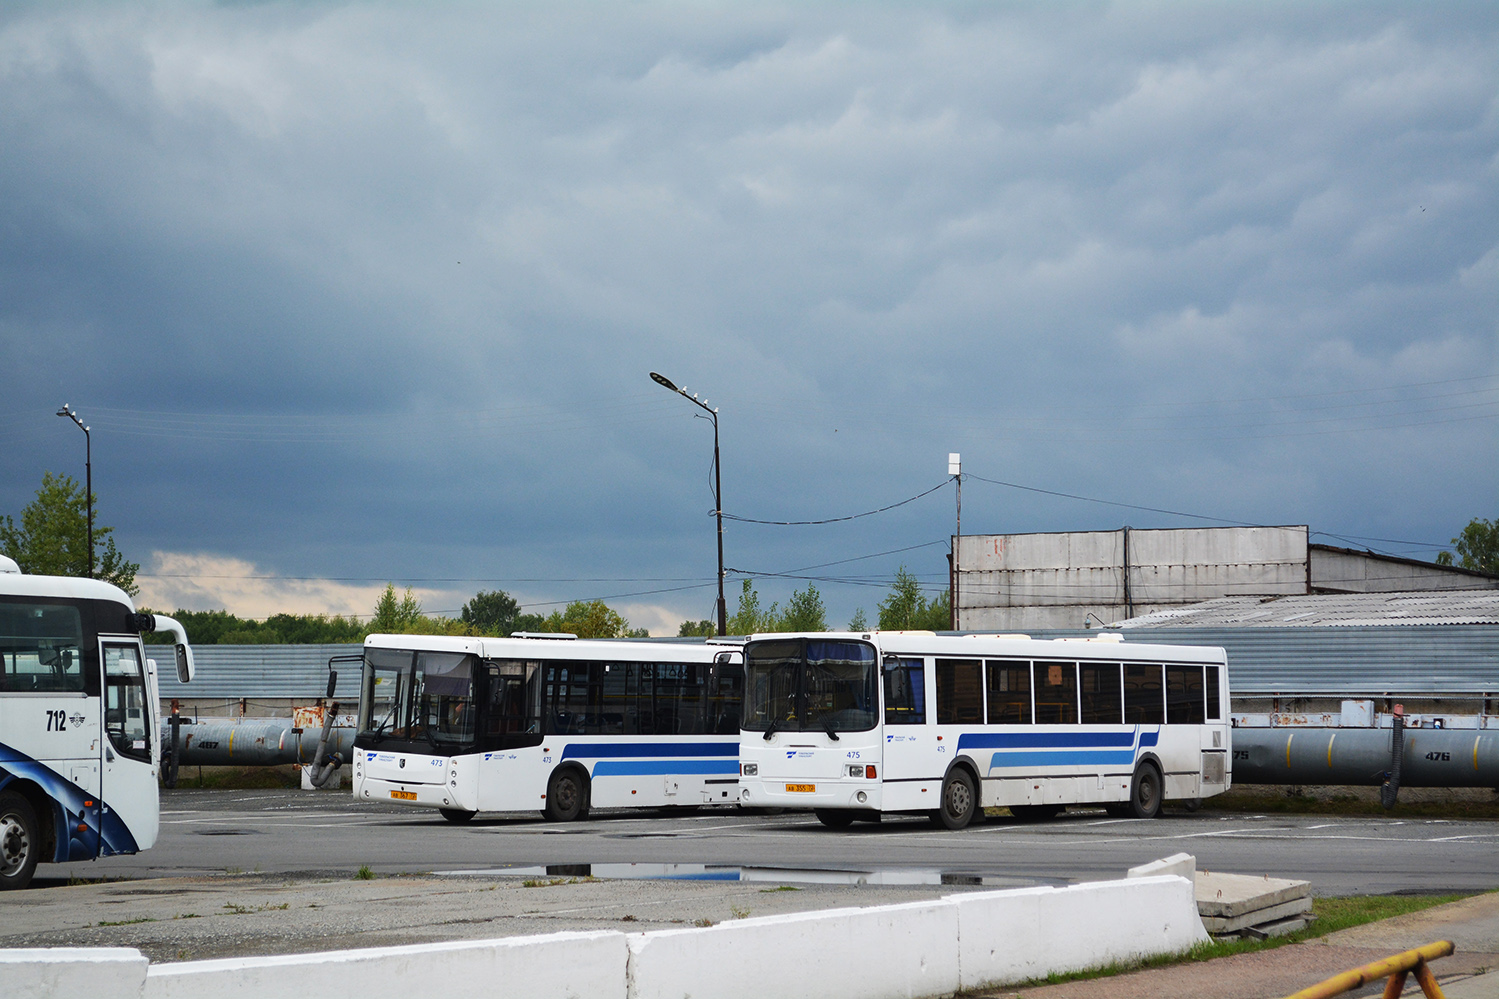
{"x": 457, "y": 816}
{"x": 19, "y": 843}
{"x": 959, "y": 800}
{"x": 1145, "y": 792}
{"x": 834, "y": 818}
{"x": 567, "y": 796}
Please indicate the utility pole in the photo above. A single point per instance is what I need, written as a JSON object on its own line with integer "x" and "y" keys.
{"x": 664, "y": 382}
{"x": 88, "y": 481}
{"x": 955, "y": 469}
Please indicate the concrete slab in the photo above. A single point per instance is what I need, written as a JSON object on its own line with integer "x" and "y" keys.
{"x": 1219, "y": 925}
{"x": 1226, "y": 896}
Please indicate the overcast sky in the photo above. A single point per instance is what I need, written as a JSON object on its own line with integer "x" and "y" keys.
{"x": 351, "y": 293}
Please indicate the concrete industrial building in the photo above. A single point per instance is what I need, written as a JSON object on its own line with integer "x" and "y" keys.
{"x": 1077, "y": 579}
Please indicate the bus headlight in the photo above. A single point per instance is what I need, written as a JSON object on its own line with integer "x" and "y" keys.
{"x": 750, "y": 769}
{"x": 856, "y": 770}
{"x": 862, "y": 797}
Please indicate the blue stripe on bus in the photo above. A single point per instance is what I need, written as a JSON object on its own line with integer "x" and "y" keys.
{"x": 104, "y": 833}
{"x": 641, "y": 768}
{"x": 608, "y": 750}
{"x": 1034, "y": 740}
{"x": 1062, "y": 758}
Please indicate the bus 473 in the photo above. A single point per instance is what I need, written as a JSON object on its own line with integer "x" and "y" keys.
{"x": 550, "y": 723}
{"x": 79, "y": 722}
{"x": 859, "y": 725}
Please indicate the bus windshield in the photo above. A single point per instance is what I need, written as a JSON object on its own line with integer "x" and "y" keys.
{"x": 425, "y": 697}
{"x": 810, "y": 685}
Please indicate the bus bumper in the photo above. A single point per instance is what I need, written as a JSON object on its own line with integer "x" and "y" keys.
{"x": 416, "y": 795}
{"x": 837, "y": 793}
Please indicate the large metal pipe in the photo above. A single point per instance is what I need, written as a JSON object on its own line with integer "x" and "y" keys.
{"x": 1431, "y": 757}
{"x": 257, "y": 742}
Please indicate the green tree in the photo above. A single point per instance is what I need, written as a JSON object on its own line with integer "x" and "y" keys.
{"x": 491, "y": 612}
{"x": 1478, "y": 547}
{"x": 591, "y": 619}
{"x": 804, "y": 612}
{"x": 396, "y": 617}
{"x": 750, "y": 618}
{"x": 53, "y": 537}
{"x": 906, "y": 609}
{"x": 697, "y": 629}
{"x": 858, "y": 622}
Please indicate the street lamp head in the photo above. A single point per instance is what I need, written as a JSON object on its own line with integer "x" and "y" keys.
{"x": 663, "y": 380}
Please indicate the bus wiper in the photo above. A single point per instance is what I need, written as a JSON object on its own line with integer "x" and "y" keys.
{"x": 827, "y": 723}
{"x": 770, "y": 729}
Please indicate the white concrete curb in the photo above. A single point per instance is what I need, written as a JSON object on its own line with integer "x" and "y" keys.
{"x": 65, "y": 972}
{"x": 1013, "y": 936}
{"x": 560, "y": 965}
{"x": 919, "y": 949}
{"x": 894, "y": 951}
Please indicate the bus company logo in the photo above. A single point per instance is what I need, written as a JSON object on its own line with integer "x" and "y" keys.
{"x": 76, "y": 720}
{"x": 795, "y": 753}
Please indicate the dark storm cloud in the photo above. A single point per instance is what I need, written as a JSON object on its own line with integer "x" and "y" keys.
{"x": 405, "y": 270}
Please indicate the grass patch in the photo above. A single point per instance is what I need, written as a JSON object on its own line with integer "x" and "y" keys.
{"x": 1276, "y": 801}
{"x": 245, "y": 910}
{"x": 364, "y": 873}
{"x": 126, "y": 922}
{"x": 1332, "y": 914}
{"x": 764, "y": 891}
{"x": 554, "y": 882}
{"x": 241, "y": 778}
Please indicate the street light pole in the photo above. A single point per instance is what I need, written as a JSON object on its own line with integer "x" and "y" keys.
{"x": 88, "y": 480}
{"x": 723, "y": 608}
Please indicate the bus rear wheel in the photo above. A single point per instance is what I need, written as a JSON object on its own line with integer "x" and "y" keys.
{"x": 457, "y": 816}
{"x": 19, "y": 843}
{"x": 959, "y": 800}
{"x": 1145, "y": 792}
{"x": 567, "y": 796}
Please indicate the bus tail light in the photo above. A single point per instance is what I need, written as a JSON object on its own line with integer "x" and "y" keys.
{"x": 869, "y": 771}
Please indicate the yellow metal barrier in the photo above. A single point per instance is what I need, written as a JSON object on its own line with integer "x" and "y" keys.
{"x": 1397, "y": 967}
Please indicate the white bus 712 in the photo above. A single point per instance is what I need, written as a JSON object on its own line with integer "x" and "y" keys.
{"x": 79, "y": 722}
{"x": 858, "y": 725}
{"x": 464, "y": 725}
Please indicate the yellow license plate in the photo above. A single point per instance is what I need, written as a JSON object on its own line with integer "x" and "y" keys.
{"x": 801, "y": 788}
{"x": 404, "y": 795}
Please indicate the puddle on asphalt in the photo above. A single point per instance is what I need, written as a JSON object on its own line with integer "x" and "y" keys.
{"x": 776, "y": 875}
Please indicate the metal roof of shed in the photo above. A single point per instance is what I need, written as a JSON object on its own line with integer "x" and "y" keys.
{"x": 1318, "y": 610}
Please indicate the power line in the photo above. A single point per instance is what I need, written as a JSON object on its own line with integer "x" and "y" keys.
{"x": 837, "y": 520}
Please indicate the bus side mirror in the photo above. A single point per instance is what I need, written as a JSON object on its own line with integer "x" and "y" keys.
{"x": 891, "y": 664}
{"x": 185, "y": 668}
{"x": 332, "y": 682}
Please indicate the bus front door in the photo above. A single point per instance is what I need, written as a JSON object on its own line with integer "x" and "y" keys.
{"x": 130, "y": 815}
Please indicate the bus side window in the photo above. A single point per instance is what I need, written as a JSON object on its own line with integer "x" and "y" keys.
{"x": 1100, "y": 693}
{"x": 1214, "y": 709}
{"x": 1009, "y": 693}
{"x": 1184, "y": 695}
{"x": 905, "y": 693}
{"x": 1143, "y": 703}
{"x": 1056, "y": 693}
{"x": 960, "y": 692}
{"x": 725, "y": 692}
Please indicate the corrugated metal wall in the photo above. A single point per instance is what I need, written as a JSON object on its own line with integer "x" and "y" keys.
{"x": 1398, "y": 660}
{"x": 260, "y": 671}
